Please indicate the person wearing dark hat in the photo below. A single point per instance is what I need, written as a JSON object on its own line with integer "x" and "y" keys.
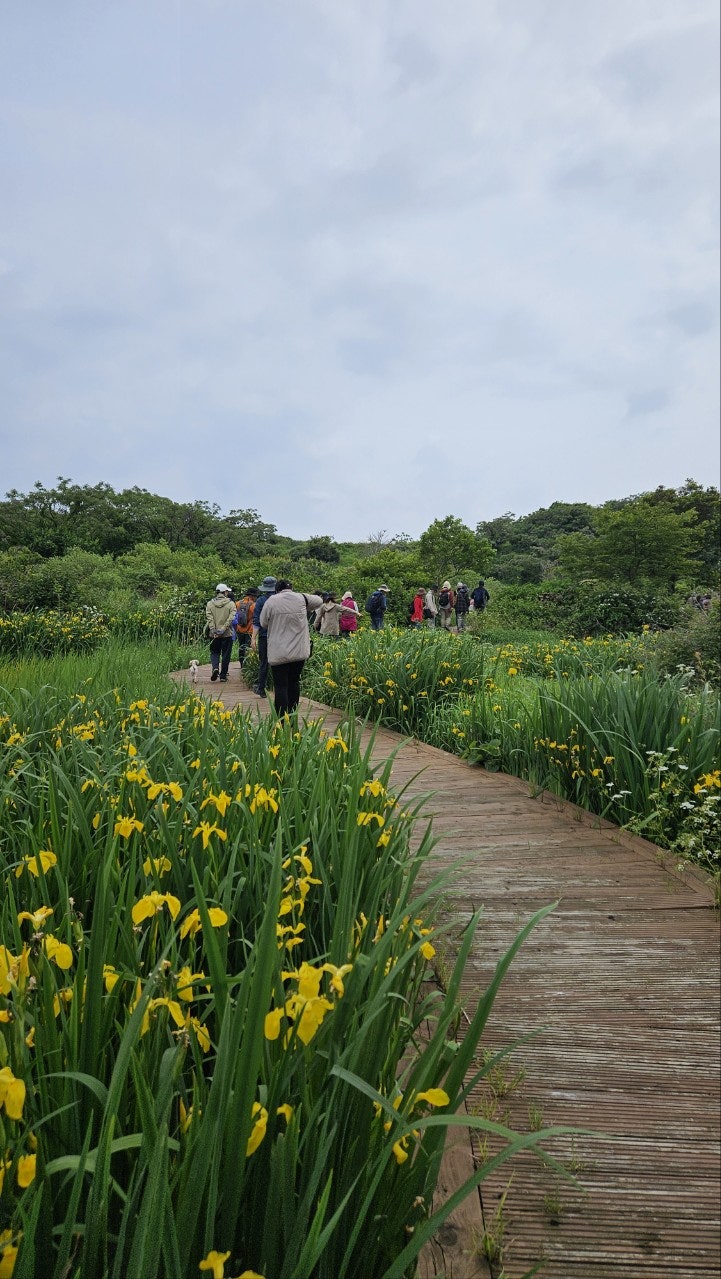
{"x": 219, "y": 613}
{"x": 480, "y": 597}
{"x": 286, "y": 622}
{"x": 260, "y": 633}
{"x": 243, "y": 622}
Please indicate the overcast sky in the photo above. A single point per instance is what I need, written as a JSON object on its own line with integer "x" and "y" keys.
{"x": 360, "y": 264}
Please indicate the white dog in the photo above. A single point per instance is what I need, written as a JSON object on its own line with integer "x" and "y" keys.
{"x": 194, "y": 670}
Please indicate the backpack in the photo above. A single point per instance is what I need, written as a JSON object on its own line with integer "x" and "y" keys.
{"x": 463, "y": 598}
{"x": 241, "y": 613}
{"x": 372, "y": 603}
{"x": 444, "y": 599}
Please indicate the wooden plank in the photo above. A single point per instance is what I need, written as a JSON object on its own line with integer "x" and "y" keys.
{"x": 619, "y": 988}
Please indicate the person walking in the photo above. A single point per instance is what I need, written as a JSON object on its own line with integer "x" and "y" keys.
{"x": 480, "y": 597}
{"x": 463, "y": 604}
{"x": 417, "y": 606}
{"x": 348, "y": 621}
{"x": 285, "y": 618}
{"x": 446, "y": 602}
{"x": 260, "y": 635}
{"x": 219, "y": 613}
{"x": 330, "y": 615}
{"x": 243, "y": 622}
{"x": 430, "y": 606}
{"x": 377, "y": 605}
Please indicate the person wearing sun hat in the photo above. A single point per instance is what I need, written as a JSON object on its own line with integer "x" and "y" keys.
{"x": 348, "y": 622}
{"x": 377, "y": 605}
{"x": 260, "y": 634}
{"x": 219, "y": 613}
{"x": 446, "y": 604}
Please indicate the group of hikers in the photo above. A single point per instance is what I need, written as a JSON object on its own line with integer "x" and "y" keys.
{"x": 432, "y": 605}
{"x": 437, "y": 604}
{"x": 275, "y": 621}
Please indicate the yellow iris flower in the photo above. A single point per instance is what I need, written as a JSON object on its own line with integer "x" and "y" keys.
{"x": 12, "y": 1094}
{"x": 192, "y": 923}
{"x": 41, "y": 861}
{"x": 152, "y": 904}
{"x": 205, "y": 829}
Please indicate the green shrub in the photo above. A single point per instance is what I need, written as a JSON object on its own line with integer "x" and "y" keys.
{"x": 695, "y": 642}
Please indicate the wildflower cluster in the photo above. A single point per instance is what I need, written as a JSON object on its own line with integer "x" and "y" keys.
{"x": 48, "y": 632}
{"x": 185, "y": 957}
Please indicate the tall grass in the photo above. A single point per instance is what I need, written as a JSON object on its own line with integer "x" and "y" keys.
{"x": 136, "y": 669}
{"x": 590, "y": 720}
{"x": 212, "y": 998}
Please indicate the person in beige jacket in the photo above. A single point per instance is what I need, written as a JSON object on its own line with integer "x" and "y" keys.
{"x": 328, "y": 617}
{"x": 285, "y": 617}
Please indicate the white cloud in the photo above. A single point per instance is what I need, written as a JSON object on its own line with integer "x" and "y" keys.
{"x": 349, "y": 260}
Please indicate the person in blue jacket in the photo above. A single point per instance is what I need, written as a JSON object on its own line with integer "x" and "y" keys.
{"x": 260, "y": 634}
{"x": 378, "y": 604}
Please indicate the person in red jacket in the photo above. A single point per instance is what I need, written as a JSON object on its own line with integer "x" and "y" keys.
{"x": 419, "y": 600}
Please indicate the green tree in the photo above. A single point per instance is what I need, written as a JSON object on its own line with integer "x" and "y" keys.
{"x": 152, "y": 566}
{"x": 448, "y": 547}
{"x": 641, "y": 541}
{"x": 518, "y": 569}
{"x": 76, "y": 578}
{"x": 323, "y": 549}
{"x": 705, "y": 503}
{"x": 17, "y": 582}
{"x": 36, "y": 520}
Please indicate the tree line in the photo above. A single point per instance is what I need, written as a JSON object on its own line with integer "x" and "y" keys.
{"x": 74, "y": 544}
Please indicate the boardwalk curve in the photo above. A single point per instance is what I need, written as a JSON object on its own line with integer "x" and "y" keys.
{"x": 621, "y": 985}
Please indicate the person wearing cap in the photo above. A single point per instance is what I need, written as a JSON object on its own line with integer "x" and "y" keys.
{"x": 285, "y": 616}
{"x": 243, "y": 622}
{"x": 219, "y": 613}
{"x": 463, "y": 604}
{"x": 480, "y": 597}
{"x": 260, "y": 633}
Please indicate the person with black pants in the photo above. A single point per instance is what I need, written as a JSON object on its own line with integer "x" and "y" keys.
{"x": 260, "y": 634}
{"x": 285, "y": 618}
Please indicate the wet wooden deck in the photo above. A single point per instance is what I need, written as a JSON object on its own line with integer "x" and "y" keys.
{"x": 621, "y": 984}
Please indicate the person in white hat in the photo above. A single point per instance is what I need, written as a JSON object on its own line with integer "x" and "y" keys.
{"x": 446, "y": 604}
{"x": 376, "y": 605}
{"x": 219, "y": 613}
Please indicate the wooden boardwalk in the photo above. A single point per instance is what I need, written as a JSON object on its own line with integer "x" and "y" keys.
{"x": 620, "y": 984}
